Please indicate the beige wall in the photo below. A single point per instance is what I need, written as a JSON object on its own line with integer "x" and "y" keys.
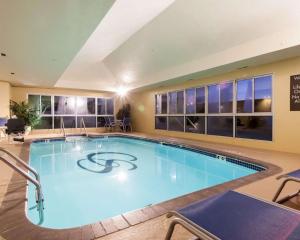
{"x": 19, "y": 94}
{"x": 4, "y": 99}
{"x": 286, "y": 124}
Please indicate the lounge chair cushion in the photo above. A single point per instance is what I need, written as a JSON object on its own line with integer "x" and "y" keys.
{"x": 295, "y": 174}
{"x": 235, "y": 216}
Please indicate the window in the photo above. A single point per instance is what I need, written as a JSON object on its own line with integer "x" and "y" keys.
{"x": 200, "y": 100}
{"x": 69, "y": 122}
{"x": 176, "y": 123}
{"x": 219, "y": 125}
{"x": 109, "y": 106}
{"x": 101, "y": 106}
{"x": 161, "y": 103}
{"x": 176, "y": 100}
{"x": 105, "y": 106}
{"x": 101, "y": 122}
{"x": 254, "y": 98}
{"x": 195, "y": 124}
{"x": 244, "y": 96}
{"x": 34, "y": 102}
{"x": 90, "y": 122}
{"x": 226, "y": 96}
{"x": 85, "y": 106}
{"x": 161, "y": 123}
{"x": 220, "y": 98}
{"x": 104, "y": 121}
{"x": 262, "y": 94}
{"x": 240, "y": 108}
{"x": 64, "y": 105}
{"x": 45, "y": 123}
{"x": 195, "y": 100}
{"x": 254, "y": 127}
{"x": 213, "y": 99}
{"x": 190, "y": 100}
{"x": 72, "y": 110}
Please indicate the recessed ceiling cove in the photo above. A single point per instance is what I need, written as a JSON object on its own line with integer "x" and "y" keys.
{"x": 104, "y": 45}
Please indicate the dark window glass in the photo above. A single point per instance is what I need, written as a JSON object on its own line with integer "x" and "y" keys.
{"x": 45, "y": 123}
{"x": 195, "y": 124}
{"x": 85, "y": 106}
{"x": 176, "y": 100}
{"x": 64, "y": 105}
{"x": 90, "y": 122}
{"x": 100, "y": 122}
{"x": 244, "y": 96}
{"x": 161, "y": 103}
{"x": 200, "y": 100}
{"x": 190, "y": 100}
{"x": 46, "y": 105}
{"x": 164, "y": 103}
{"x": 226, "y": 95}
{"x": 70, "y": 122}
{"x": 213, "y": 99}
{"x": 180, "y": 101}
{"x": 34, "y": 102}
{"x": 109, "y": 106}
{"x": 172, "y": 102}
{"x": 176, "y": 123}
{"x": 161, "y": 123}
{"x": 101, "y": 106}
{"x": 263, "y": 94}
{"x": 158, "y": 104}
{"x": 218, "y": 125}
{"x": 254, "y": 127}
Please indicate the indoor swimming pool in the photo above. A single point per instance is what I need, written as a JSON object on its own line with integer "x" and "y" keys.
{"x": 86, "y": 180}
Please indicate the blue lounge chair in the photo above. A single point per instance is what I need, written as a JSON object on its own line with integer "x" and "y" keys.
{"x": 235, "y": 216}
{"x": 289, "y": 177}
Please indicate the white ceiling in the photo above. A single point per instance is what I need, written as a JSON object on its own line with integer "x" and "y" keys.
{"x": 139, "y": 43}
{"x": 41, "y": 37}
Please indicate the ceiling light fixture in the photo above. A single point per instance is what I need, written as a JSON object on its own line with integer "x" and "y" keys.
{"x": 122, "y": 91}
{"x": 3, "y": 55}
{"x": 12, "y": 73}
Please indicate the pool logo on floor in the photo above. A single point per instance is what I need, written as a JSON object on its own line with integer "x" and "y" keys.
{"x": 105, "y": 162}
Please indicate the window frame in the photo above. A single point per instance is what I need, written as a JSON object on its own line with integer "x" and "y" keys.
{"x": 234, "y": 112}
{"x": 76, "y": 115}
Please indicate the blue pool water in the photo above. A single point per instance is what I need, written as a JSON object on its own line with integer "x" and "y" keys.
{"x": 88, "y": 180}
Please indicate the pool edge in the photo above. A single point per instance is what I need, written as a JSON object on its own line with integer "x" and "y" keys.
{"x": 14, "y": 222}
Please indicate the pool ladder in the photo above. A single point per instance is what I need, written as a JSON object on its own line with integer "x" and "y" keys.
{"x": 35, "y": 181}
{"x": 82, "y": 125}
{"x": 62, "y": 127}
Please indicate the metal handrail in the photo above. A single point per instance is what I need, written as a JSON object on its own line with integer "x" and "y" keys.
{"x": 24, "y": 164}
{"x": 82, "y": 124}
{"x": 35, "y": 181}
{"x": 62, "y": 127}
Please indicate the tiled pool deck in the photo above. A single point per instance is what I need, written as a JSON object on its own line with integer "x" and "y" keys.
{"x": 146, "y": 223}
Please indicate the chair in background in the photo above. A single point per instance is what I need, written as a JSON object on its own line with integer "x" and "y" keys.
{"x": 110, "y": 124}
{"x": 126, "y": 124}
{"x": 15, "y": 126}
{"x": 3, "y": 122}
{"x": 293, "y": 176}
{"x": 235, "y": 216}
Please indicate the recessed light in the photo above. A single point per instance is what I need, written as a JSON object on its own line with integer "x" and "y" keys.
{"x": 243, "y": 67}
{"x": 3, "y": 54}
